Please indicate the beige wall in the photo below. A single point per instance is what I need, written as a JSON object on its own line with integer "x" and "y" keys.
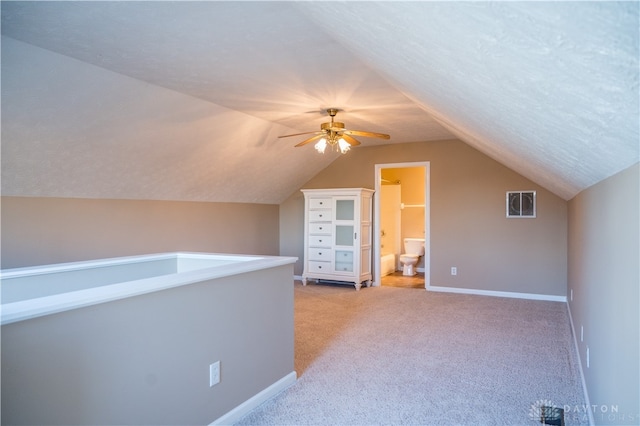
{"x": 144, "y": 360}
{"x": 468, "y": 225}
{"x": 37, "y": 231}
{"x": 604, "y": 276}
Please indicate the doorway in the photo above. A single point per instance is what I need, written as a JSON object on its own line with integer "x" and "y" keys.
{"x": 388, "y": 236}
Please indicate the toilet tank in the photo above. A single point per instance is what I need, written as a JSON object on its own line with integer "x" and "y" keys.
{"x": 414, "y": 246}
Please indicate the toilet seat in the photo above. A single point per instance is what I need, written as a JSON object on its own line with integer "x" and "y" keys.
{"x": 406, "y": 257}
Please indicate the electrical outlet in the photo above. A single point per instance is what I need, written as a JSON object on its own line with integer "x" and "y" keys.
{"x": 214, "y": 373}
{"x": 454, "y": 270}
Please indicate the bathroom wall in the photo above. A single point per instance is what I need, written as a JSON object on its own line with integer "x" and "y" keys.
{"x": 468, "y": 223}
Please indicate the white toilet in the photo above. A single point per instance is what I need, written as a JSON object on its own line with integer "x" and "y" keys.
{"x": 413, "y": 249}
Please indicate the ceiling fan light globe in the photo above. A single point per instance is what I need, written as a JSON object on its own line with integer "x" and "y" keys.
{"x": 343, "y": 145}
{"x": 321, "y": 145}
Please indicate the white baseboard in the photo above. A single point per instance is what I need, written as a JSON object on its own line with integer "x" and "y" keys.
{"x": 515, "y": 295}
{"x": 584, "y": 382}
{"x": 243, "y": 409}
{"x": 297, "y": 277}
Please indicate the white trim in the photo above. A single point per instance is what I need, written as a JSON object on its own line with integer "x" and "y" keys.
{"x": 36, "y": 307}
{"x": 511, "y": 294}
{"x": 96, "y": 263}
{"x": 427, "y": 218}
{"x": 584, "y": 382}
{"x": 246, "y": 407}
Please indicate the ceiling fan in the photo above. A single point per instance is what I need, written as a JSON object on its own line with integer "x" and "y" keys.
{"x": 335, "y": 135}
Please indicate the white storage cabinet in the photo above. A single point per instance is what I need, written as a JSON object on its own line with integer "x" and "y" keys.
{"x": 337, "y": 235}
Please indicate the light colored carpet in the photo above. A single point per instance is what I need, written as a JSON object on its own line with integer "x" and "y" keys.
{"x": 393, "y": 356}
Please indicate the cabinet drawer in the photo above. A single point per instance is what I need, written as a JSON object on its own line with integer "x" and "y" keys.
{"x": 319, "y": 241}
{"x": 320, "y": 228}
{"x": 316, "y": 266}
{"x": 320, "y": 254}
{"x": 320, "y": 216}
{"x": 320, "y": 203}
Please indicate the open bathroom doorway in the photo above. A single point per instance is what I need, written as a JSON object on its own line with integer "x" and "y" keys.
{"x": 401, "y": 210}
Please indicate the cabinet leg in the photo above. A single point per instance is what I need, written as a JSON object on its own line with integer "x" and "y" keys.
{"x": 368, "y": 283}
{"x": 358, "y": 285}
{"x": 304, "y": 281}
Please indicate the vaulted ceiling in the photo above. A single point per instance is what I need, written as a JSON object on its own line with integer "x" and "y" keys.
{"x": 185, "y": 100}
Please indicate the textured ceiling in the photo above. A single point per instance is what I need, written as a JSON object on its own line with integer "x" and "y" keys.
{"x": 184, "y": 100}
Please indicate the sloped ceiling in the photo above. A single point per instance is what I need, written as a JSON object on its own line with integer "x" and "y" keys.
{"x": 185, "y": 100}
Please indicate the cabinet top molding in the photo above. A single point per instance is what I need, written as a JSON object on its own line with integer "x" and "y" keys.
{"x": 338, "y": 190}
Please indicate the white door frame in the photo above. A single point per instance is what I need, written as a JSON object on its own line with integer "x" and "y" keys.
{"x": 427, "y": 218}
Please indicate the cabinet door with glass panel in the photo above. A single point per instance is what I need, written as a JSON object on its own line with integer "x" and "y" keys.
{"x": 345, "y": 235}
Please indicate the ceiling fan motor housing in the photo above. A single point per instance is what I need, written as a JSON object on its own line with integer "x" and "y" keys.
{"x": 333, "y": 124}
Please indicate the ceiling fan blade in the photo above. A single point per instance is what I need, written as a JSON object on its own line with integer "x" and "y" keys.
{"x": 311, "y": 139}
{"x": 366, "y": 134}
{"x": 351, "y": 141}
{"x": 304, "y": 133}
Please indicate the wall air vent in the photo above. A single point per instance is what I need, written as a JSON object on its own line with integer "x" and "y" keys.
{"x": 521, "y": 204}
